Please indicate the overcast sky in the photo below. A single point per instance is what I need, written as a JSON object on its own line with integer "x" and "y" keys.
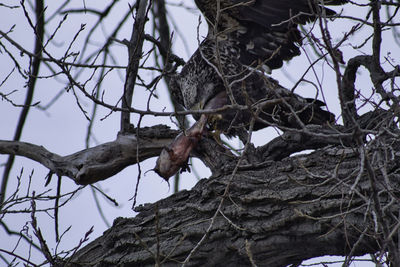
{"x": 62, "y": 127}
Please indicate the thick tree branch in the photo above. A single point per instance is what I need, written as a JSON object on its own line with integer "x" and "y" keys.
{"x": 97, "y": 163}
{"x": 279, "y": 214}
{"x": 103, "y": 161}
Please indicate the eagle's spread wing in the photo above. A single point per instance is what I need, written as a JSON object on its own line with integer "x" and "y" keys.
{"x": 265, "y": 31}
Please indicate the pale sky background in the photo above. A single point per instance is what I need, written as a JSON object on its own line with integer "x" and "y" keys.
{"x": 62, "y": 128}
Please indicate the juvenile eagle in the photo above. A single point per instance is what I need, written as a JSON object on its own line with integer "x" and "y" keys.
{"x": 245, "y": 38}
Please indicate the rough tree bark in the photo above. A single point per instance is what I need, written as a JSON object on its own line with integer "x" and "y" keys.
{"x": 274, "y": 214}
{"x": 100, "y": 162}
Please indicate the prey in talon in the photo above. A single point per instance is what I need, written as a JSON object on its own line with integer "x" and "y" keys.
{"x": 175, "y": 156}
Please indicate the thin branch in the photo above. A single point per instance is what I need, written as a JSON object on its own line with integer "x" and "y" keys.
{"x": 34, "y": 71}
{"x": 135, "y": 54}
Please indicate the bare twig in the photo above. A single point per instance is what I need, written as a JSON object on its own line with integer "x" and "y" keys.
{"x": 34, "y": 71}
{"x": 134, "y": 53}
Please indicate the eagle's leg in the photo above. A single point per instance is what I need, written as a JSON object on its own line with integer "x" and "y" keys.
{"x": 175, "y": 155}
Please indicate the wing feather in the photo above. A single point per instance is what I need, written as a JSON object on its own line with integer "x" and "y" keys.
{"x": 265, "y": 31}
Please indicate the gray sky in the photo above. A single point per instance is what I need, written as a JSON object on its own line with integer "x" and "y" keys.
{"x": 62, "y": 128}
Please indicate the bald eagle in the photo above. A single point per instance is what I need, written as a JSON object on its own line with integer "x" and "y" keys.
{"x": 245, "y": 39}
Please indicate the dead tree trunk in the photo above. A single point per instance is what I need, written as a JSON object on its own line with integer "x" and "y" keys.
{"x": 334, "y": 201}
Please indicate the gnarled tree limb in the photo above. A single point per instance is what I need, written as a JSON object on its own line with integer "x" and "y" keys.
{"x": 279, "y": 214}
{"x": 97, "y": 163}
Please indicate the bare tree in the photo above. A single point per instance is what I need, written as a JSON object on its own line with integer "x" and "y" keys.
{"x": 262, "y": 206}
